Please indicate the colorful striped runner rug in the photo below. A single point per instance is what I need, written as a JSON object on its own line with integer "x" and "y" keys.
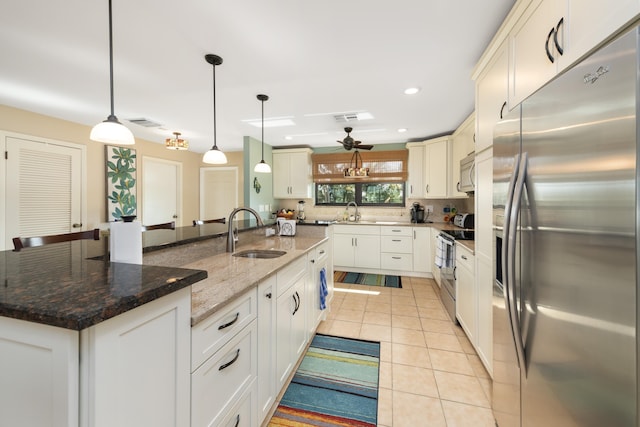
{"x": 336, "y": 384}
{"x": 367, "y": 279}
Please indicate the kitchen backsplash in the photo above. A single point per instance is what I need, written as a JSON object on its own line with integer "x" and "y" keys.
{"x": 381, "y": 214}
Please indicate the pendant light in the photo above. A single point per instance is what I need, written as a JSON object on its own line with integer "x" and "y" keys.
{"x": 176, "y": 143}
{"x": 214, "y": 156}
{"x": 262, "y": 167}
{"x": 111, "y": 130}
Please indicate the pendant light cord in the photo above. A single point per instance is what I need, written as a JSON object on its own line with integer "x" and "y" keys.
{"x": 215, "y": 144}
{"x": 262, "y": 158}
{"x": 111, "y": 60}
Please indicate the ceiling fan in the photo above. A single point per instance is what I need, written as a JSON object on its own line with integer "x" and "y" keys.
{"x": 349, "y": 143}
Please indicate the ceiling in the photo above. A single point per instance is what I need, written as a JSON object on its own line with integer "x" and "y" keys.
{"x": 315, "y": 60}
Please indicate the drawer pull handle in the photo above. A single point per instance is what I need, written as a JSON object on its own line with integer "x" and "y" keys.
{"x": 237, "y": 420}
{"x": 396, "y": 240}
{"x": 396, "y": 257}
{"x": 226, "y": 325}
{"x": 322, "y": 252}
{"x": 396, "y": 231}
{"x": 464, "y": 257}
{"x": 226, "y": 365}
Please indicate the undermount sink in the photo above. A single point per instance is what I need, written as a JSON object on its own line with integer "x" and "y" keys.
{"x": 260, "y": 253}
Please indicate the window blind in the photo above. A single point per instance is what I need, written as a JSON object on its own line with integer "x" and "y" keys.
{"x": 384, "y": 166}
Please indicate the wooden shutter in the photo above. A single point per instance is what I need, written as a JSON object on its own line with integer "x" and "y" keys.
{"x": 384, "y": 166}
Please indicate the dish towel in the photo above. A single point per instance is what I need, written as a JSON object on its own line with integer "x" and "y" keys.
{"x": 324, "y": 291}
{"x": 441, "y": 252}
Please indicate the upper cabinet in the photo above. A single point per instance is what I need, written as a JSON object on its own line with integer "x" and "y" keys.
{"x": 462, "y": 145}
{"x": 415, "y": 185}
{"x": 292, "y": 173}
{"x": 551, "y": 35}
{"x": 491, "y": 97}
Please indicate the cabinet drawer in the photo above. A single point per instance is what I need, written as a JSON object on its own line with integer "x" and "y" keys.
{"x": 212, "y": 333}
{"x": 322, "y": 251}
{"x": 243, "y": 414}
{"x": 398, "y": 244}
{"x": 290, "y": 274}
{"x": 396, "y": 231}
{"x": 464, "y": 258}
{"x": 357, "y": 229}
{"x": 220, "y": 382}
{"x": 396, "y": 261}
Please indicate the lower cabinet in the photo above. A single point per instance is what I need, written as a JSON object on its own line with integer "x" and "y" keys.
{"x": 318, "y": 259}
{"x": 356, "y": 246}
{"x": 422, "y": 261}
{"x": 266, "y": 386}
{"x": 466, "y": 298}
{"x": 434, "y": 250}
{"x": 396, "y": 248}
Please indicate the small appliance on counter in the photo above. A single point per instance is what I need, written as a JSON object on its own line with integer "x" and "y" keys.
{"x": 417, "y": 213}
{"x": 464, "y": 220}
{"x": 301, "y": 215}
{"x": 286, "y": 227}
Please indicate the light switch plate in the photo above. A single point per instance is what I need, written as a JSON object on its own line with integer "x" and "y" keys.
{"x": 429, "y": 208}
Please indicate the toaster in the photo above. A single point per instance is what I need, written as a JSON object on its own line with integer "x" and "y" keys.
{"x": 464, "y": 220}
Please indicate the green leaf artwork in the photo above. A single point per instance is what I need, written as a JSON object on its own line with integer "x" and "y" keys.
{"x": 121, "y": 182}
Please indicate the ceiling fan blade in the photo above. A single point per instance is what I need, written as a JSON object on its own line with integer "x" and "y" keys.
{"x": 365, "y": 147}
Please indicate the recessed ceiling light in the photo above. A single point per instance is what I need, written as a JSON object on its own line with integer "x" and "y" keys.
{"x": 273, "y": 122}
{"x": 288, "y": 138}
{"x": 411, "y": 90}
{"x": 401, "y": 130}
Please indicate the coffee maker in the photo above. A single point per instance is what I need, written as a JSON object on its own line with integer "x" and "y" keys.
{"x": 417, "y": 213}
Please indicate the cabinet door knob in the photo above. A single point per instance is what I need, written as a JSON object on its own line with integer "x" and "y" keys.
{"x": 76, "y": 225}
{"x": 313, "y": 261}
{"x": 268, "y": 295}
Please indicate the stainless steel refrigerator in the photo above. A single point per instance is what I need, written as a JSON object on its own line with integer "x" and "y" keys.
{"x": 565, "y": 220}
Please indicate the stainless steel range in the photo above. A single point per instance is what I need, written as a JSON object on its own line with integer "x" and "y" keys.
{"x": 446, "y": 260}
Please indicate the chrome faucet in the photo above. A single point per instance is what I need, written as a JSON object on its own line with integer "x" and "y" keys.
{"x": 232, "y": 236}
{"x": 356, "y": 216}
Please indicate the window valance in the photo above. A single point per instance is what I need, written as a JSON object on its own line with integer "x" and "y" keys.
{"x": 384, "y": 166}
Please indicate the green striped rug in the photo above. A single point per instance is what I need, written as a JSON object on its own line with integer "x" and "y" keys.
{"x": 367, "y": 279}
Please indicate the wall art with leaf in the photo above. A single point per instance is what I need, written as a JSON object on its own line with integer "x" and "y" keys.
{"x": 121, "y": 182}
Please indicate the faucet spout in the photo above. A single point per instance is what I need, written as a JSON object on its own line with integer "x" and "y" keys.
{"x": 232, "y": 236}
{"x": 356, "y": 216}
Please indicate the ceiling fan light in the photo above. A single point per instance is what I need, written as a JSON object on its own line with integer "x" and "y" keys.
{"x": 214, "y": 157}
{"x": 262, "y": 167}
{"x": 111, "y": 131}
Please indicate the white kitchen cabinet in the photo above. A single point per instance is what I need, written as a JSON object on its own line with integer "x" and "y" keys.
{"x": 396, "y": 248}
{"x": 356, "y": 246}
{"x": 267, "y": 390}
{"x": 244, "y": 413}
{"x": 44, "y": 361}
{"x": 318, "y": 258}
{"x": 292, "y": 173}
{"x": 415, "y": 183}
{"x": 434, "y": 247}
{"x": 492, "y": 88}
{"x": 466, "y": 297}
{"x": 291, "y": 332}
{"x": 137, "y": 365}
{"x": 484, "y": 285}
{"x": 422, "y": 260}
{"x": 436, "y": 168}
{"x": 461, "y": 146}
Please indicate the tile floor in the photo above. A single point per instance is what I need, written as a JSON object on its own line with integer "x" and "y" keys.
{"x": 430, "y": 374}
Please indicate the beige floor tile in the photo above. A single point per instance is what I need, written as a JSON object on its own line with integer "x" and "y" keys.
{"x": 353, "y": 305}
{"x": 345, "y": 329}
{"x": 450, "y": 361}
{"x": 439, "y": 326}
{"x": 437, "y": 313}
{"x": 375, "y": 318}
{"x": 457, "y": 329}
{"x": 414, "y": 380}
{"x": 487, "y": 387}
{"x": 466, "y": 344}
{"x": 349, "y": 315}
{"x": 461, "y": 388}
{"x": 402, "y": 300}
{"x": 380, "y": 299}
{"x": 407, "y": 336}
{"x": 428, "y": 303}
{"x": 385, "y": 407}
{"x": 424, "y": 295}
{"x": 378, "y": 307}
{"x": 462, "y": 415}
{"x": 404, "y": 310}
{"x": 385, "y": 380}
{"x": 412, "y": 410}
{"x": 385, "y": 352}
{"x": 478, "y": 367}
{"x": 406, "y": 322}
{"x": 410, "y": 355}
{"x": 443, "y": 341}
{"x": 325, "y": 326}
{"x": 375, "y": 332}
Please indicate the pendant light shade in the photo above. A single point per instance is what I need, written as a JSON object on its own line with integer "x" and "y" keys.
{"x": 214, "y": 156}
{"x": 262, "y": 166}
{"x": 111, "y": 131}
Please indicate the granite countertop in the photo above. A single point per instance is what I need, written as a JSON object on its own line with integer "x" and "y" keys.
{"x": 59, "y": 286}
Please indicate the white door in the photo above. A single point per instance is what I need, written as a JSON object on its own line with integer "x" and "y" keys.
{"x": 44, "y": 187}
{"x": 161, "y": 202}
{"x": 218, "y": 192}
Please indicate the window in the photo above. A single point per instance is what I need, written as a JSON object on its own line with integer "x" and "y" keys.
{"x": 384, "y": 187}
{"x": 364, "y": 194}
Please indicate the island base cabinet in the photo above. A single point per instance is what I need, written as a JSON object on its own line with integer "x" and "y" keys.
{"x": 291, "y": 333}
{"x": 135, "y": 368}
{"x": 217, "y": 385}
{"x": 267, "y": 392}
{"x": 243, "y": 413}
{"x": 43, "y": 360}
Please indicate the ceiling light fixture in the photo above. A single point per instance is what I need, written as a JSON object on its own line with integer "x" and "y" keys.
{"x": 176, "y": 143}
{"x": 402, "y": 130}
{"x": 111, "y": 131}
{"x": 214, "y": 156}
{"x": 411, "y": 90}
{"x": 262, "y": 167}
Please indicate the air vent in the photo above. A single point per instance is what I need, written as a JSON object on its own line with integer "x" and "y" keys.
{"x": 145, "y": 122}
{"x": 350, "y": 117}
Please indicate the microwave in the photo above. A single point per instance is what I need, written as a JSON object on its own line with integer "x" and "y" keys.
{"x": 467, "y": 170}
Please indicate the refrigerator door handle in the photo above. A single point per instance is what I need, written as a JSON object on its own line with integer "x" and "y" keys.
{"x": 505, "y": 241}
{"x": 511, "y": 237}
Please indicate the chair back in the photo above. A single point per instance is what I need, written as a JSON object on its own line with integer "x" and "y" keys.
{"x": 20, "y": 243}
{"x": 164, "y": 226}
{"x": 209, "y": 221}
